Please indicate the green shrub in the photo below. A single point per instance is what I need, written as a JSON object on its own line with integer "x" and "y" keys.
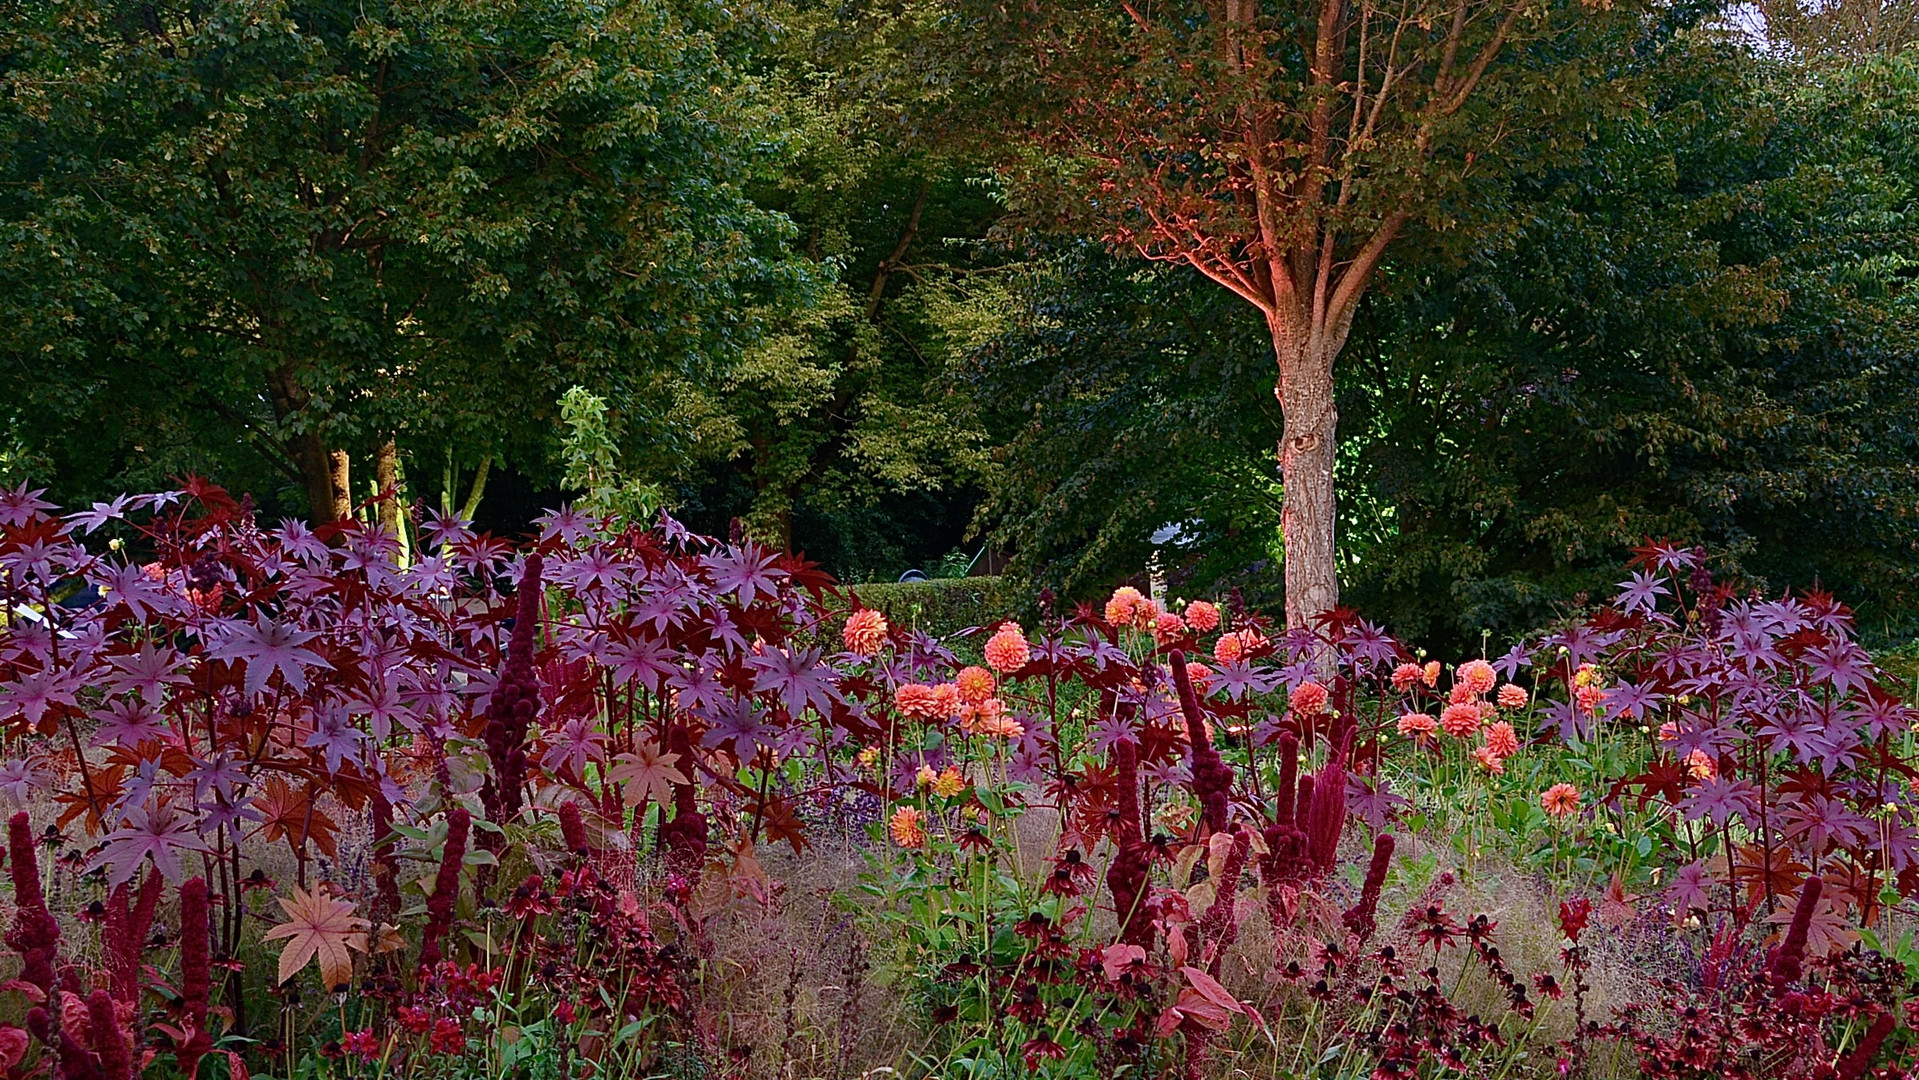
{"x": 944, "y": 606}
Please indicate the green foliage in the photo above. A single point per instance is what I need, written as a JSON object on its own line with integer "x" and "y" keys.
{"x": 1700, "y": 332}
{"x": 944, "y": 606}
{"x": 1128, "y": 396}
{"x": 592, "y": 462}
{"x": 849, "y": 428}
{"x": 240, "y": 234}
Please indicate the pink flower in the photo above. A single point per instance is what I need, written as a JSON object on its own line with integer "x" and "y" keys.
{"x": 1588, "y": 697}
{"x": 1490, "y": 761}
{"x": 1430, "y": 673}
{"x": 1404, "y": 676}
{"x": 1167, "y": 627}
{"x": 1560, "y": 800}
{"x": 1460, "y": 721}
{"x": 1701, "y": 766}
{"x": 975, "y": 684}
{"x": 998, "y": 724}
{"x": 947, "y": 697}
{"x": 917, "y": 701}
{"x": 1200, "y": 675}
{"x": 1309, "y": 699}
{"x": 1006, "y": 650}
{"x": 1460, "y": 694}
{"x": 1501, "y": 739}
{"x": 1417, "y": 726}
{"x": 908, "y": 827}
{"x": 1228, "y": 648}
{"x": 1146, "y": 615}
{"x": 865, "y": 632}
{"x": 1477, "y": 676}
{"x": 1123, "y": 606}
{"x": 1202, "y": 616}
{"x": 1512, "y": 696}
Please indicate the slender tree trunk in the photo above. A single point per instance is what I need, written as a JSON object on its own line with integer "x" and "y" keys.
{"x": 386, "y": 477}
{"x": 340, "y": 478}
{"x": 472, "y": 504}
{"x": 1308, "y": 514}
{"x": 323, "y": 471}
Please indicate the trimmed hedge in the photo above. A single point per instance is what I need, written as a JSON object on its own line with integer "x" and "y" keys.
{"x": 944, "y": 606}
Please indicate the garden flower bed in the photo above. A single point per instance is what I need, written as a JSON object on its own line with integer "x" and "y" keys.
{"x": 625, "y": 800}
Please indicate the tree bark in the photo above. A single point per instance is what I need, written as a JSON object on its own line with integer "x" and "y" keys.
{"x": 323, "y": 471}
{"x": 472, "y": 504}
{"x": 1309, "y": 511}
{"x": 340, "y": 479}
{"x": 386, "y": 477}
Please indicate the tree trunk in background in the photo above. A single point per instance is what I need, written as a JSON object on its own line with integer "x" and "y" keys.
{"x": 472, "y": 504}
{"x": 340, "y": 479}
{"x": 386, "y": 477}
{"x": 323, "y": 472}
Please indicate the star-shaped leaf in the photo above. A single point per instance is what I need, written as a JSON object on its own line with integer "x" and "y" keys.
{"x": 321, "y": 928}
{"x": 650, "y": 771}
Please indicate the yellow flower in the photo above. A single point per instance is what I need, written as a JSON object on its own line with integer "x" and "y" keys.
{"x": 948, "y": 783}
{"x": 869, "y": 757}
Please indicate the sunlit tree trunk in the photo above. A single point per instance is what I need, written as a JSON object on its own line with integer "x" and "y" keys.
{"x": 1309, "y": 510}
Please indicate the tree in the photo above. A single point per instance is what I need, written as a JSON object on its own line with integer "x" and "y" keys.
{"x": 1704, "y": 330}
{"x": 1698, "y": 325}
{"x": 1283, "y": 149}
{"x": 292, "y": 232}
{"x": 1121, "y": 398}
{"x": 852, "y": 439}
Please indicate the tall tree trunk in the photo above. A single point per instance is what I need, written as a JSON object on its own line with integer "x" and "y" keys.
{"x": 1308, "y": 513}
{"x": 386, "y": 477}
{"x": 340, "y": 478}
{"x": 323, "y": 471}
{"x": 472, "y": 504}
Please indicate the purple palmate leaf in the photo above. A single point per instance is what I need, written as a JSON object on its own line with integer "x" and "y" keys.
{"x": 154, "y": 833}
{"x": 265, "y": 647}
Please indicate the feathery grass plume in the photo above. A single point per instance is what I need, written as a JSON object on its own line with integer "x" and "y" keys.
{"x": 108, "y": 1042}
{"x": 573, "y": 828}
{"x": 34, "y": 935}
{"x": 1212, "y": 777}
{"x": 446, "y": 886}
{"x": 196, "y": 973}
{"x": 1789, "y": 959}
{"x": 1361, "y": 917}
